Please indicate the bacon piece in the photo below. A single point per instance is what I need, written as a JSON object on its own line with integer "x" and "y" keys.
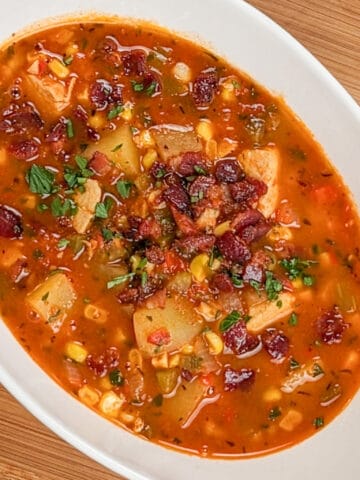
{"x": 149, "y": 228}
{"x": 24, "y": 150}
{"x": 239, "y": 340}
{"x": 242, "y": 379}
{"x": 10, "y": 223}
{"x": 248, "y": 190}
{"x": 200, "y": 186}
{"x": 134, "y": 62}
{"x": 183, "y": 222}
{"x": 222, "y": 282}
{"x": 193, "y": 244}
{"x": 331, "y": 326}
{"x": 177, "y": 197}
{"x": 276, "y": 344}
{"x": 228, "y": 171}
{"x": 189, "y": 163}
{"x": 20, "y": 119}
{"x": 155, "y": 255}
{"x": 102, "y": 363}
{"x": 204, "y": 88}
{"x": 99, "y": 164}
{"x": 233, "y": 248}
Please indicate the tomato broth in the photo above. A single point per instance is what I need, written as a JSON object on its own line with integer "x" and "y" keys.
{"x": 176, "y": 251}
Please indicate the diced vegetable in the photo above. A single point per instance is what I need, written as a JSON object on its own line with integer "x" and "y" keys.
{"x": 174, "y": 142}
{"x": 265, "y": 314}
{"x": 199, "y": 267}
{"x": 291, "y": 420}
{"x": 76, "y": 352}
{"x": 88, "y": 395}
{"x": 53, "y": 299}
{"x": 48, "y": 91}
{"x": 96, "y": 313}
{"x": 214, "y": 342}
{"x": 125, "y": 158}
{"x": 310, "y": 372}
{"x": 178, "y": 318}
{"x": 86, "y": 202}
{"x": 167, "y": 379}
{"x": 264, "y": 164}
{"x": 110, "y": 404}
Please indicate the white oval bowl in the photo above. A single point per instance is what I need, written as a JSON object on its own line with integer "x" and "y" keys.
{"x": 273, "y": 58}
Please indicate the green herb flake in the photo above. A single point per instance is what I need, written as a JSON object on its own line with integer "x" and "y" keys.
{"x": 317, "y": 370}
{"x": 63, "y": 243}
{"x": 124, "y": 188}
{"x": 69, "y": 129}
{"x": 137, "y": 86}
{"x": 144, "y": 279}
{"x": 255, "y": 285}
{"x": 229, "y": 321}
{"x": 68, "y": 60}
{"x": 318, "y": 422}
{"x": 273, "y": 286}
{"x": 199, "y": 170}
{"x": 37, "y": 253}
{"x": 40, "y": 180}
{"x": 293, "y": 320}
{"x": 237, "y": 280}
{"x": 119, "y": 280}
{"x": 116, "y": 378}
{"x": 42, "y": 207}
{"x": 107, "y": 234}
{"x": 295, "y": 268}
{"x": 117, "y": 147}
{"x": 158, "y": 400}
{"x": 294, "y": 364}
{"x": 61, "y": 208}
{"x": 114, "y": 112}
{"x": 274, "y": 413}
{"x": 45, "y": 297}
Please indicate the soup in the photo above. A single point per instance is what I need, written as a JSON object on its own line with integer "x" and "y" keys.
{"x": 175, "y": 249}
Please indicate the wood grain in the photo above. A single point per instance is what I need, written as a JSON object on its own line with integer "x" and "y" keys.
{"x": 330, "y": 29}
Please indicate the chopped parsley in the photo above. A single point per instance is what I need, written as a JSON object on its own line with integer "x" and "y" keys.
{"x": 117, "y": 147}
{"x": 317, "y": 370}
{"x": 114, "y": 112}
{"x": 69, "y": 129}
{"x": 40, "y": 180}
{"x": 102, "y": 208}
{"x": 274, "y": 413}
{"x": 199, "y": 170}
{"x": 230, "y": 320}
{"x": 139, "y": 87}
{"x": 318, "y": 422}
{"x": 107, "y": 234}
{"x": 273, "y": 286}
{"x": 158, "y": 400}
{"x": 116, "y": 378}
{"x": 63, "y": 243}
{"x": 295, "y": 268}
{"x": 119, "y": 280}
{"x": 294, "y": 364}
{"x": 293, "y": 320}
{"x": 68, "y": 60}
{"x": 61, "y": 208}
{"x": 124, "y": 187}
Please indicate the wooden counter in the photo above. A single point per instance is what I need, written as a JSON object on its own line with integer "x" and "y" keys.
{"x": 330, "y": 29}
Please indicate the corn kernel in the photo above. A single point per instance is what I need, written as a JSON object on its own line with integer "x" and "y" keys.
{"x": 215, "y": 344}
{"x": 228, "y": 92}
{"x": 272, "y": 394}
{"x": 160, "y": 361}
{"x": 127, "y": 113}
{"x": 110, "y": 404}
{"x": 83, "y": 96}
{"x": 58, "y": 68}
{"x": 126, "y": 418}
{"x": 149, "y": 158}
{"x": 199, "y": 267}
{"x": 204, "y": 129}
{"x": 174, "y": 360}
{"x": 75, "y": 351}
{"x": 135, "y": 358}
{"x": 216, "y": 264}
{"x": 187, "y": 349}
{"x": 297, "y": 283}
{"x": 223, "y": 227}
{"x": 280, "y": 233}
{"x": 95, "y": 313}
{"x": 71, "y": 49}
{"x": 88, "y": 395}
{"x": 29, "y": 200}
{"x": 146, "y": 139}
{"x": 208, "y": 311}
{"x": 105, "y": 383}
{"x": 182, "y": 72}
{"x": 97, "y": 121}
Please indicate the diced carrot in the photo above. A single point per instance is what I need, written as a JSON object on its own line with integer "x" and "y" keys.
{"x": 173, "y": 263}
{"x": 160, "y": 337}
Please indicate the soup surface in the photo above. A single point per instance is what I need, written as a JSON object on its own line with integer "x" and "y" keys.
{"x": 175, "y": 249}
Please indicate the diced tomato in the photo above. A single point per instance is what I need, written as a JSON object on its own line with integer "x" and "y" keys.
{"x": 285, "y": 214}
{"x": 160, "y": 337}
{"x": 183, "y": 222}
{"x": 173, "y": 263}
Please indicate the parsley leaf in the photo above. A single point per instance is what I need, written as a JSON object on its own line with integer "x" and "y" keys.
{"x": 114, "y": 112}
{"x": 59, "y": 208}
{"x": 295, "y": 268}
{"x": 116, "y": 378}
{"x": 119, "y": 280}
{"x": 63, "y": 243}
{"x": 107, "y": 234}
{"x": 318, "y": 422}
{"x": 294, "y": 364}
{"x": 230, "y": 320}
{"x": 124, "y": 187}
{"x": 293, "y": 320}
{"x": 69, "y": 128}
{"x": 274, "y": 413}
{"x": 40, "y": 180}
{"x": 273, "y": 286}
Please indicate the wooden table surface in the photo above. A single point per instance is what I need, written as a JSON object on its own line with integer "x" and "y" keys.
{"x": 330, "y": 29}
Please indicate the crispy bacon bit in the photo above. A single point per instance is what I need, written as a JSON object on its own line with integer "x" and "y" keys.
{"x": 159, "y": 337}
{"x": 255, "y": 268}
{"x": 247, "y": 217}
{"x": 24, "y": 150}
{"x": 149, "y": 228}
{"x": 276, "y": 344}
{"x": 186, "y": 374}
{"x": 92, "y": 134}
{"x": 204, "y": 88}
{"x": 190, "y": 164}
{"x": 155, "y": 255}
{"x": 200, "y": 186}
{"x": 99, "y": 164}
{"x": 58, "y": 132}
{"x": 177, "y": 197}
{"x": 158, "y": 170}
{"x": 233, "y": 248}
{"x": 10, "y": 223}
{"x": 19, "y": 119}
{"x": 254, "y": 232}
{"x": 134, "y": 62}
{"x": 228, "y": 171}
{"x": 183, "y": 222}
{"x": 129, "y": 295}
{"x": 222, "y": 282}
{"x": 103, "y": 93}
{"x": 81, "y": 114}
{"x": 193, "y": 244}
{"x": 248, "y": 190}
{"x": 173, "y": 263}
{"x": 331, "y": 326}
{"x": 239, "y": 340}
{"x": 242, "y": 379}
{"x": 152, "y": 285}
{"x": 102, "y": 363}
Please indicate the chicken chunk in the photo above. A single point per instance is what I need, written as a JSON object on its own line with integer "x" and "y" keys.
{"x": 47, "y": 91}
{"x": 263, "y": 164}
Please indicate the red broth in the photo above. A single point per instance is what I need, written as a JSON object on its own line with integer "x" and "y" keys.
{"x": 175, "y": 249}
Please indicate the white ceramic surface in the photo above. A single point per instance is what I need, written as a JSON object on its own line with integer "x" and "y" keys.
{"x": 259, "y": 47}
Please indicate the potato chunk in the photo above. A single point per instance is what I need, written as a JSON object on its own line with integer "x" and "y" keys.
{"x": 264, "y": 164}
{"x": 264, "y": 314}
{"x": 52, "y": 299}
{"x": 86, "y": 202}
{"x": 166, "y": 329}
{"x": 47, "y": 91}
{"x": 171, "y": 142}
{"x": 119, "y": 147}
